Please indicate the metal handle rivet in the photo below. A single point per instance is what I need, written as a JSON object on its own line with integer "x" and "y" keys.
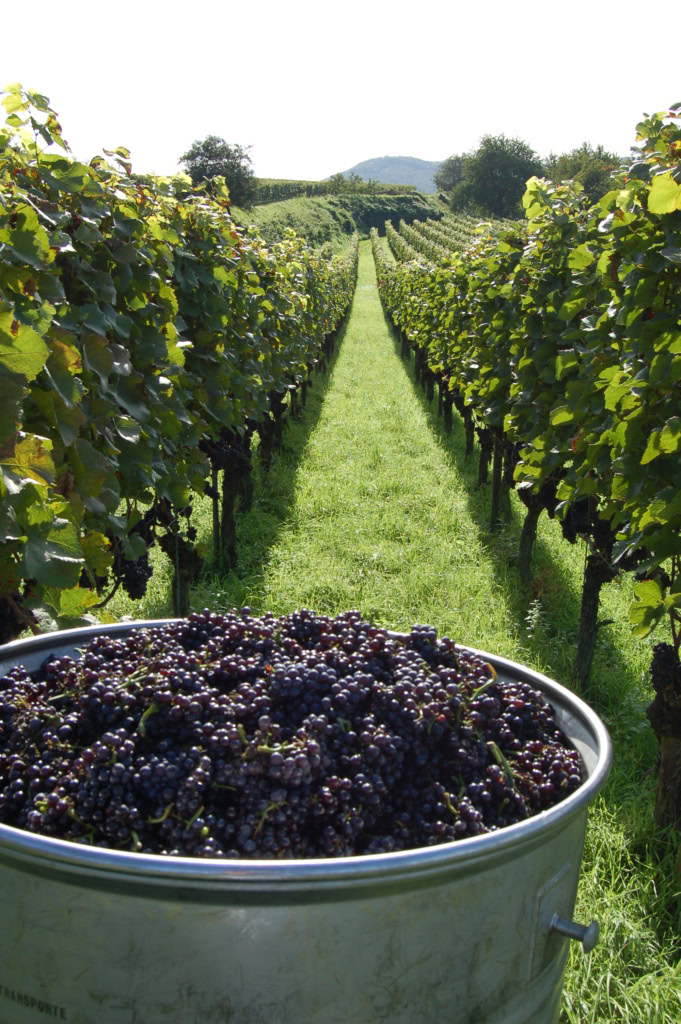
{"x": 586, "y": 934}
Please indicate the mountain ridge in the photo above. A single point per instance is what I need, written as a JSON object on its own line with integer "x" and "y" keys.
{"x": 398, "y": 170}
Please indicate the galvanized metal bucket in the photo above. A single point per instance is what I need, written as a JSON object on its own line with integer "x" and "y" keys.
{"x": 472, "y": 932}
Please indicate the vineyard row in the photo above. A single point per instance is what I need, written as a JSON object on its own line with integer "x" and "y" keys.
{"x": 143, "y": 338}
{"x": 560, "y": 343}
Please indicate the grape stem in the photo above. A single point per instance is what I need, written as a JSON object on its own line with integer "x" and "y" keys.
{"x": 166, "y": 813}
{"x": 142, "y": 725}
{"x": 502, "y": 762}
{"x": 104, "y": 603}
{"x": 261, "y": 821}
{"x": 450, "y": 806}
{"x": 476, "y": 693}
{"x": 193, "y": 818}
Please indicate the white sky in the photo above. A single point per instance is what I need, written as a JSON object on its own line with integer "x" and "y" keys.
{"x": 315, "y": 87}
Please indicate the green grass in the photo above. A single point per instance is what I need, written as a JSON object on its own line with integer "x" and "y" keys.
{"x": 371, "y": 505}
{"x": 333, "y": 219}
{"x": 317, "y": 219}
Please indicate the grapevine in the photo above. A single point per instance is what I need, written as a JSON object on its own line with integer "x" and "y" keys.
{"x": 137, "y": 323}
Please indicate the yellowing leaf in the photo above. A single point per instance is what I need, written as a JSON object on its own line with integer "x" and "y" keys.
{"x": 22, "y": 351}
{"x": 648, "y": 592}
{"x": 31, "y": 462}
{"x": 14, "y": 101}
{"x": 665, "y": 194}
{"x": 97, "y": 551}
{"x": 70, "y": 603}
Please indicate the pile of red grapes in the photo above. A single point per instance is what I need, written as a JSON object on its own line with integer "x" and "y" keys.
{"x": 230, "y": 735}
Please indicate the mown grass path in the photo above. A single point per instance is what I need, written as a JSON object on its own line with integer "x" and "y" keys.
{"x": 370, "y": 505}
{"x": 378, "y": 517}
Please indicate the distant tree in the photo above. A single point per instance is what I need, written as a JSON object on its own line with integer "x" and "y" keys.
{"x": 337, "y": 182}
{"x": 493, "y": 177}
{"x": 586, "y": 164}
{"x": 450, "y": 172}
{"x": 212, "y": 156}
{"x": 349, "y": 183}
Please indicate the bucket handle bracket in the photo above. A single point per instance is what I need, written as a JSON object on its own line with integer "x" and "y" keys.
{"x": 586, "y": 934}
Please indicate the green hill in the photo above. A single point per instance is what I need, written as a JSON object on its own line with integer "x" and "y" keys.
{"x": 334, "y": 218}
{"x": 406, "y": 170}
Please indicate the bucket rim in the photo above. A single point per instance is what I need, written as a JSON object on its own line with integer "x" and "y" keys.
{"x": 68, "y": 855}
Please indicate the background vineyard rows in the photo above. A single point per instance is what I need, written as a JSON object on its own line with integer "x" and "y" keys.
{"x": 274, "y": 190}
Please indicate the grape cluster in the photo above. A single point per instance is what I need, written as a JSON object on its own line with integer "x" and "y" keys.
{"x": 578, "y": 520}
{"x": 229, "y": 450}
{"x": 664, "y": 713}
{"x": 230, "y": 735}
{"x": 665, "y": 670}
{"x": 134, "y": 576}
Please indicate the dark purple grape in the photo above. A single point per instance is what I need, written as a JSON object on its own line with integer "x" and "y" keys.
{"x": 232, "y": 735}
{"x": 135, "y": 576}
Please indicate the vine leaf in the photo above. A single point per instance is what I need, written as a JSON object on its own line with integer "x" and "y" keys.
{"x": 647, "y": 609}
{"x": 22, "y": 350}
{"x": 54, "y": 558}
{"x": 665, "y": 194}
